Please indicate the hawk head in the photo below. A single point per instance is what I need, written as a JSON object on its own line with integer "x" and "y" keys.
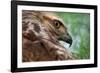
{"x": 57, "y": 27}
{"x": 45, "y": 25}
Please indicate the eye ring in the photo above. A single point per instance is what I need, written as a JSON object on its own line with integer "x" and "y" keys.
{"x": 57, "y": 23}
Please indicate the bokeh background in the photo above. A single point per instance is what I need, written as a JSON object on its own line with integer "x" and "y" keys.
{"x": 78, "y": 25}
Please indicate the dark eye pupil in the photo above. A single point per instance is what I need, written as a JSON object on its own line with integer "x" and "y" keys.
{"x": 57, "y": 24}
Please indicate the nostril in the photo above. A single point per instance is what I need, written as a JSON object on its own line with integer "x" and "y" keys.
{"x": 68, "y": 34}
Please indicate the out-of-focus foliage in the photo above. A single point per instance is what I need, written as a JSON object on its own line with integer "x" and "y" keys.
{"x": 78, "y": 25}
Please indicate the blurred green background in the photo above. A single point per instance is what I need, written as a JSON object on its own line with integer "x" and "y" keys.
{"x": 78, "y": 25}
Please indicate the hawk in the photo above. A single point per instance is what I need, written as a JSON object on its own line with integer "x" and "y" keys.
{"x": 41, "y": 32}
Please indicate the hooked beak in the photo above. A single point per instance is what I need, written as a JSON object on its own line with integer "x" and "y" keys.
{"x": 67, "y": 38}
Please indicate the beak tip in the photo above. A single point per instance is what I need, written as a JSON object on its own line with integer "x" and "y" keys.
{"x": 67, "y": 40}
{"x": 70, "y": 42}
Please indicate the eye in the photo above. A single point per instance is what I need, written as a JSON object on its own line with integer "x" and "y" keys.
{"x": 57, "y": 23}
